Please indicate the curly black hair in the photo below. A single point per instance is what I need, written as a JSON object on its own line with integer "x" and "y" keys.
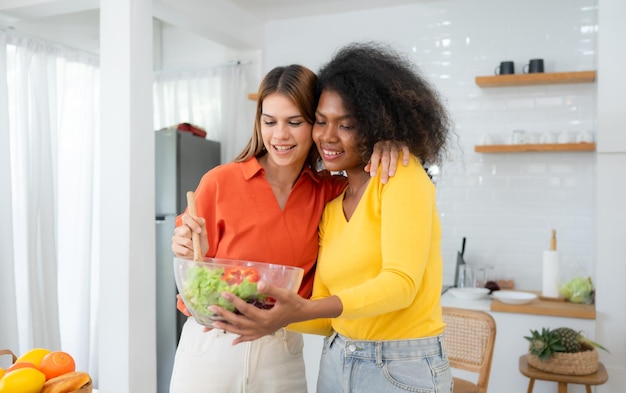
{"x": 389, "y": 100}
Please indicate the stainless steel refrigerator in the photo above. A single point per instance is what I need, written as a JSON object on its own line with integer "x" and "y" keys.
{"x": 181, "y": 160}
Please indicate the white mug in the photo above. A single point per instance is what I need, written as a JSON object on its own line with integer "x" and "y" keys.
{"x": 547, "y": 138}
{"x": 520, "y": 137}
{"x": 584, "y": 136}
{"x": 564, "y": 137}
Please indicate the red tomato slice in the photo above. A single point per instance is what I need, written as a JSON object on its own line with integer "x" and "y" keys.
{"x": 232, "y": 275}
{"x": 251, "y": 274}
{"x": 235, "y": 275}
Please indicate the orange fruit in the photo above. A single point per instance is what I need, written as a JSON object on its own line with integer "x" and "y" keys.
{"x": 19, "y": 364}
{"x": 57, "y": 363}
{"x": 22, "y": 380}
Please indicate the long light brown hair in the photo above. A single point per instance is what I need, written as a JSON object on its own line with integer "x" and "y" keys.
{"x": 295, "y": 82}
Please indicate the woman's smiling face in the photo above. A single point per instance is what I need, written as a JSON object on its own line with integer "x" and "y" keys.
{"x": 334, "y": 133}
{"x": 286, "y": 134}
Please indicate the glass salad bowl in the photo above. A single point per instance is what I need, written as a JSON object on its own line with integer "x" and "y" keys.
{"x": 201, "y": 283}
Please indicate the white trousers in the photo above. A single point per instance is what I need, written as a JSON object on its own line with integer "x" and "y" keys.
{"x": 207, "y": 362}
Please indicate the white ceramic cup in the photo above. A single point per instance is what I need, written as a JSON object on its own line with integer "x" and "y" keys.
{"x": 564, "y": 137}
{"x": 584, "y": 136}
{"x": 547, "y": 138}
{"x": 520, "y": 137}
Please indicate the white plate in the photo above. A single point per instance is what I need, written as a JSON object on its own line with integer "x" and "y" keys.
{"x": 514, "y": 297}
{"x": 469, "y": 293}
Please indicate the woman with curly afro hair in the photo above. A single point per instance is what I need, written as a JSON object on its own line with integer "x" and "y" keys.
{"x": 377, "y": 287}
{"x": 383, "y": 92}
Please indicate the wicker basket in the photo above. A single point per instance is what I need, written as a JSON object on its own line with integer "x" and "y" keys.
{"x": 578, "y": 363}
{"x": 9, "y": 352}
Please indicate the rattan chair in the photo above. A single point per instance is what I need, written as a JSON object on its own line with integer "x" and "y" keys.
{"x": 470, "y": 337}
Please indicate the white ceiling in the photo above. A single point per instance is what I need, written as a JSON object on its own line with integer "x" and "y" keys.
{"x": 232, "y": 23}
{"x": 279, "y": 9}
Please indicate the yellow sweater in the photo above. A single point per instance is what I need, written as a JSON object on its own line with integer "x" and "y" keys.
{"x": 385, "y": 263}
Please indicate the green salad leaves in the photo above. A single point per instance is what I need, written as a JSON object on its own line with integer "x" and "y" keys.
{"x": 204, "y": 287}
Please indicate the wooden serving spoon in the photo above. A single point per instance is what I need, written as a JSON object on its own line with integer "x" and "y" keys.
{"x": 195, "y": 237}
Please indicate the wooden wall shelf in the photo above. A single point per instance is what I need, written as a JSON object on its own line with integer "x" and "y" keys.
{"x": 253, "y": 96}
{"x": 536, "y": 79}
{"x": 556, "y": 147}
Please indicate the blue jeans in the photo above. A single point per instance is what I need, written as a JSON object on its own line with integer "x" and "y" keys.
{"x": 389, "y": 366}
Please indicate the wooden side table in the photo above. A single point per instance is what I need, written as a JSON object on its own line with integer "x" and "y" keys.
{"x": 597, "y": 378}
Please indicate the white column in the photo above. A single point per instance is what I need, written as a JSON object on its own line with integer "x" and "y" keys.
{"x": 127, "y": 338}
{"x": 611, "y": 193}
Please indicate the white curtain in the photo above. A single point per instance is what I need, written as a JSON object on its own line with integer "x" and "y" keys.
{"x": 49, "y": 127}
{"x": 213, "y": 99}
{"x": 49, "y": 105}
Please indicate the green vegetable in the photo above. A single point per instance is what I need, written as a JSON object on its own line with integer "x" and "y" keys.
{"x": 578, "y": 290}
{"x": 204, "y": 287}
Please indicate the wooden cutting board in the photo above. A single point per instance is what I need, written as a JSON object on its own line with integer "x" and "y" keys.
{"x": 553, "y": 308}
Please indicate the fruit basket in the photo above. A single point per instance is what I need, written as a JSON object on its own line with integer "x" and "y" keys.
{"x": 577, "y": 363}
{"x": 33, "y": 370}
{"x": 201, "y": 283}
{"x": 562, "y": 351}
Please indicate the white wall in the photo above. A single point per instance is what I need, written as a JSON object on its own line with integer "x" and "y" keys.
{"x": 505, "y": 204}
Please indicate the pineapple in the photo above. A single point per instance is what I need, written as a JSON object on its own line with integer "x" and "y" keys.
{"x": 563, "y": 339}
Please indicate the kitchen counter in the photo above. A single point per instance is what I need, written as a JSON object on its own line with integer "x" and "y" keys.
{"x": 539, "y": 306}
{"x": 555, "y": 308}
